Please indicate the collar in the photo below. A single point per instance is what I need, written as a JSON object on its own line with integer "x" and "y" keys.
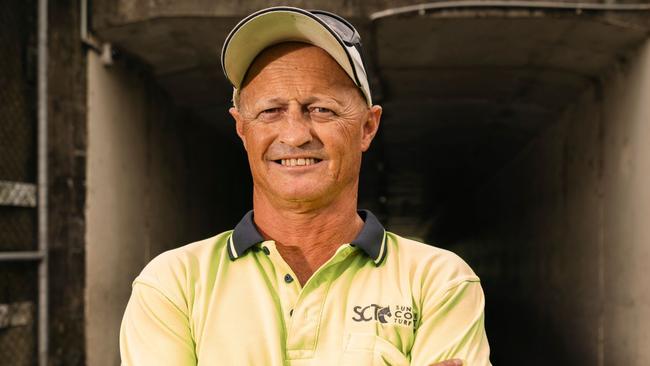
{"x": 371, "y": 240}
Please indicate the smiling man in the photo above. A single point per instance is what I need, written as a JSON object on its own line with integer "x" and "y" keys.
{"x": 305, "y": 278}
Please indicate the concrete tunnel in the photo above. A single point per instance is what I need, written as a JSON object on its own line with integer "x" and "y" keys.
{"x": 516, "y": 136}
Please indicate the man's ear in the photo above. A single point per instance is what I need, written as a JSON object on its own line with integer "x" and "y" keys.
{"x": 370, "y": 127}
{"x": 239, "y": 124}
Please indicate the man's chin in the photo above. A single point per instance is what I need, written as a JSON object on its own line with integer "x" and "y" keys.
{"x": 300, "y": 197}
{"x": 307, "y": 196}
{"x": 303, "y": 189}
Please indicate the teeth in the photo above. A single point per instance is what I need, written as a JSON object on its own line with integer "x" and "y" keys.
{"x": 298, "y": 162}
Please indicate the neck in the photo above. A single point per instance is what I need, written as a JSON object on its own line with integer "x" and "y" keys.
{"x": 305, "y": 236}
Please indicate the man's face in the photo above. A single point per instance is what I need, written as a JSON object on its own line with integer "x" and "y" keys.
{"x": 304, "y": 125}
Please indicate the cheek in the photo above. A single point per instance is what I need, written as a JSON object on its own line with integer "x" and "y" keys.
{"x": 342, "y": 142}
{"x": 348, "y": 137}
{"x": 257, "y": 143}
{"x": 258, "y": 139}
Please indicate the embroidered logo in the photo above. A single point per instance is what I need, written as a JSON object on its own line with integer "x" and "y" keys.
{"x": 402, "y": 315}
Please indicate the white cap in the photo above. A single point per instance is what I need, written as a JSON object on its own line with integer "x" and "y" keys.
{"x": 271, "y": 26}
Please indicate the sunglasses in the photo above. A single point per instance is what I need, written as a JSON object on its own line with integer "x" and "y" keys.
{"x": 342, "y": 27}
{"x": 345, "y": 31}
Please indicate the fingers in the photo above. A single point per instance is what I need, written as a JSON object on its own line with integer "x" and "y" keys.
{"x": 453, "y": 362}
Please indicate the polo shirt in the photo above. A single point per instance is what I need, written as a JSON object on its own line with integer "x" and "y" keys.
{"x": 232, "y": 300}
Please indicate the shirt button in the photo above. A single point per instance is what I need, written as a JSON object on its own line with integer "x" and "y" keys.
{"x": 266, "y": 250}
{"x": 288, "y": 278}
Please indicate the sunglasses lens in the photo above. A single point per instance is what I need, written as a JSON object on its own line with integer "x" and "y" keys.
{"x": 345, "y": 31}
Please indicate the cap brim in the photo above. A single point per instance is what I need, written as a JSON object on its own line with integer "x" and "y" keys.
{"x": 276, "y": 25}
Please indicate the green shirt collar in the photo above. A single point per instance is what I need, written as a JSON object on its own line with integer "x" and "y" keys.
{"x": 370, "y": 240}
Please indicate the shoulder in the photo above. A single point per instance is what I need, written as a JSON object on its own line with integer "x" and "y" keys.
{"x": 431, "y": 266}
{"x": 177, "y": 266}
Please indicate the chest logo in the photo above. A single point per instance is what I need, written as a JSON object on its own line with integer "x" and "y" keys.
{"x": 402, "y": 315}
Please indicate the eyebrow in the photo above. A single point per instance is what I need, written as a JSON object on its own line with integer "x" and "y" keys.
{"x": 275, "y": 100}
{"x": 308, "y": 100}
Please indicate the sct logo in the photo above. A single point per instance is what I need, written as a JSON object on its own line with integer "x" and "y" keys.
{"x": 400, "y": 314}
{"x": 372, "y": 312}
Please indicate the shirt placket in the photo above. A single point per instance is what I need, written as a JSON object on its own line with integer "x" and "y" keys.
{"x": 288, "y": 287}
{"x": 303, "y": 306}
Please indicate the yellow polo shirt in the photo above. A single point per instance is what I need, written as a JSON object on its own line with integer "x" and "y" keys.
{"x": 233, "y": 300}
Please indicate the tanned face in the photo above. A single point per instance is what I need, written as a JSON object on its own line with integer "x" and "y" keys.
{"x": 304, "y": 124}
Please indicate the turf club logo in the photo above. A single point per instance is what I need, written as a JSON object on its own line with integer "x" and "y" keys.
{"x": 399, "y": 314}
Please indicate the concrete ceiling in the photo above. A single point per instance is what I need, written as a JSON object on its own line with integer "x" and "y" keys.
{"x": 462, "y": 90}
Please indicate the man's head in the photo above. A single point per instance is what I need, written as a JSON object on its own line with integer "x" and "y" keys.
{"x": 304, "y": 123}
{"x": 274, "y": 25}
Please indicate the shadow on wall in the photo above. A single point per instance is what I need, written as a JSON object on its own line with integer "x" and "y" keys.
{"x": 560, "y": 236}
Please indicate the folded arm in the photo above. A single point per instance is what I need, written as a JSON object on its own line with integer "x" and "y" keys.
{"x": 452, "y": 327}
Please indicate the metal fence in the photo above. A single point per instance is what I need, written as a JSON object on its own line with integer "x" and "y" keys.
{"x": 20, "y": 257}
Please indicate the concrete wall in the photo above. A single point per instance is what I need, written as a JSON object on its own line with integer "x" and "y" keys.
{"x": 154, "y": 178}
{"x": 134, "y": 170}
{"x": 66, "y": 162}
{"x": 561, "y": 236}
{"x": 115, "y": 12}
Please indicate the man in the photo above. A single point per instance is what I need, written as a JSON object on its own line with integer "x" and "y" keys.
{"x": 304, "y": 278}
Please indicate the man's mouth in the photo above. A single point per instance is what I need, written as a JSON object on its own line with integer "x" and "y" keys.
{"x": 298, "y": 162}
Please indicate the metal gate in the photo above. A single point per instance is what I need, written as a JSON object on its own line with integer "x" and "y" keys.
{"x": 23, "y": 209}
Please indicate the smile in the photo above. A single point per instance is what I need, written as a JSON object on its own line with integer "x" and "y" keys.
{"x": 298, "y": 162}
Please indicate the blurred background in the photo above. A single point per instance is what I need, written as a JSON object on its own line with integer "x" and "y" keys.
{"x": 515, "y": 133}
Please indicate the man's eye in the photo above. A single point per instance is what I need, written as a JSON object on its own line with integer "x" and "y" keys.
{"x": 321, "y": 111}
{"x": 271, "y": 111}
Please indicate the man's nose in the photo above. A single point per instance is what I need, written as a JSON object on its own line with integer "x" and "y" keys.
{"x": 296, "y": 129}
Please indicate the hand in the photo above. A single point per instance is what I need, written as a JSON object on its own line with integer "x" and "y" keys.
{"x": 452, "y": 362}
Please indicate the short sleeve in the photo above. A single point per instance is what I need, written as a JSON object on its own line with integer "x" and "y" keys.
{"x": 452, "y": 326}
{"x": 155, "y": 331}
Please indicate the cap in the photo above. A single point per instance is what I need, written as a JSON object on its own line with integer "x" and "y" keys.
{"x": 274, "y": 25}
